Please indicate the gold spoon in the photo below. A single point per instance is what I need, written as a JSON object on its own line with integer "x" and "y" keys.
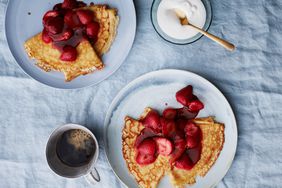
{"x": 184, "y": 21}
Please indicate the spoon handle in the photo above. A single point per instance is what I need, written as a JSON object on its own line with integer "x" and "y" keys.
{"x": 220, "y": 41}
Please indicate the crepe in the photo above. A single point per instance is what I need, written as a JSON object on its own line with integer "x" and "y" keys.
{"x": 48, "y": 58}
{"x": 212, "y": 143}
{"x": 108, "y": 21}
{"x": 149, "y": 176}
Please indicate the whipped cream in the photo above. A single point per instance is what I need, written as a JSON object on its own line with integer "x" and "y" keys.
{"x": 169, "y": 23}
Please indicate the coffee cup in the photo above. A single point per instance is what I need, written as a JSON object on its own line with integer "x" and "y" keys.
{"x": 72, "y": 151}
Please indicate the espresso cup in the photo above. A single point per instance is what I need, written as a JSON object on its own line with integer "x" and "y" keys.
{"x": 87, "y": 170}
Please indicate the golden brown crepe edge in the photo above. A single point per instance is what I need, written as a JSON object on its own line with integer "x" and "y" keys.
{"x": 44, "y": 65}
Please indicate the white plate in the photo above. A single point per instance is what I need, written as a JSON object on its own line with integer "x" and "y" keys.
{"x": 155, "y": 89}
{"x": 20, "y": 26}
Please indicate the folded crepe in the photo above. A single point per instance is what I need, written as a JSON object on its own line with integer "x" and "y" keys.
{"x": 148, "y": 176}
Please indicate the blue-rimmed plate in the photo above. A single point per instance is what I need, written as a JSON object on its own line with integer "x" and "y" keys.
{"x": 24, "y": 20}
{"x": 166, "y": 37}
{"x": 154, "y": 90}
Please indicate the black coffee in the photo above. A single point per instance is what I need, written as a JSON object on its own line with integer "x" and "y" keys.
{"x": 75, "y": 147}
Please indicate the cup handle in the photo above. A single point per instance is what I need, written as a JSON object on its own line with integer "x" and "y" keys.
{"x": 93, "y": 176}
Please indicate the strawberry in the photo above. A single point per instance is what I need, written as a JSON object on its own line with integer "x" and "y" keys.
{"x": 85, "y": 16}
{"x": 45, "y": 37}
{"x": 50, "y": 14}
{"x": 152, "y": 120}
{"x": 69, "y": 54}
{"x": 193, "y": 134}
{"x": 179, "y": 149}
{"x": 54, "y": 25}
{"x": 148, "y": 147}
{"x": 144, "y": 159}
{"x": 184, "y": 162}
{"x": 164, "y": 146}
{"x": 185, "y": 113}
{"x": 92, "y": 29}
{"x": 169, "y": 113}
{"x": 168, "y": 127}
{"x": 195, "y": 106}
{"x": 58, "y": 7}
{"x": 71, "y": 19}
{"x": 145, "y": 133}
{"x": 184, "y": 96}
{"x": 69, "y": 4}
{"x": 192, "y": 141}
{"x": 191, "y": 129}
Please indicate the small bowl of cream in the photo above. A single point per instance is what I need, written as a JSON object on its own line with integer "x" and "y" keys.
{"x": 168, "y": 26}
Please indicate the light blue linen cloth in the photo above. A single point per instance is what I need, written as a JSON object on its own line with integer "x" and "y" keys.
{"x": 250, "y": 78}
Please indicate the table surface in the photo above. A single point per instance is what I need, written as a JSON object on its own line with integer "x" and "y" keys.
{"x": 250, "y": 78}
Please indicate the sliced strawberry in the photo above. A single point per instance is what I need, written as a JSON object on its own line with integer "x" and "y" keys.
{"x": 181, "y": 123}
{"x": 145, "y": 133}
{"x": 191, "y": 129}
{"x": 71, "y": 19}
{"x": 168, "y": 127}
{"x": 50, "y": 14}
{"x": 92, "y": 29}
{"x": 54, "y": 25}
{"x": 195, "y": 106}
{"x": 179, "y": 149}
{"x": 144, "y": 159}
{"x": 169, "y": 113}
{"x": 195, "y": 154}
{"x": 185, "y": 95}
{"x": 69, "y": 54}
{"x": 185, "y": 113}
{"x": 148, "y": 147}
{"x": 164, "y": 146}
{"x": 152, "y": 120}
{"x": 184, "y": 162}
{"x": 45, "y": 37}
{"x": 85, "y": 16}
{"x": 69, "y": 4}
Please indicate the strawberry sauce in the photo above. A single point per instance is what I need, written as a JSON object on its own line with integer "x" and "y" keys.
{"x": 195, "y": 153}
{"x": 74, "y": 41}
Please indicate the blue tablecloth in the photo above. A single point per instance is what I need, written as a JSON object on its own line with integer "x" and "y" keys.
{"x": 250, "y": 78}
